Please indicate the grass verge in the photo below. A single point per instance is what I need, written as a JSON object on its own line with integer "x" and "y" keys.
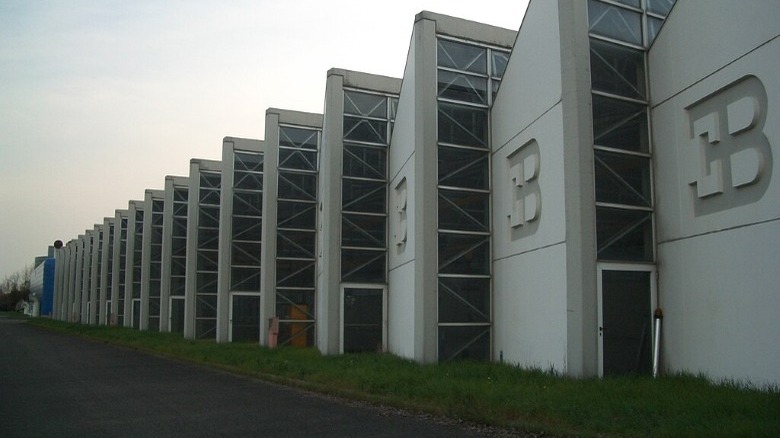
{"x": 487, "y": 393}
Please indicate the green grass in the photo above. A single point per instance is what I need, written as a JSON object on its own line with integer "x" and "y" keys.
{"x": 492, "y": 394}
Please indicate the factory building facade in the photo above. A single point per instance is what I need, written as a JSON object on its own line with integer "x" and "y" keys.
{"x": 544, "y": 198}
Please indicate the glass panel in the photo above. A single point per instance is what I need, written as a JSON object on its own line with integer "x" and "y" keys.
{"x": 624, "y": 235}
{"x": 363, "y": 316}
{"x": 618, "y": 124}
{"x": 296, "y": 334}
{"x": 364, "y": 196}
{"x": 207, "y": 282}
{"x": 465, "y": 211}
{"x": 208, "y": 261}
{"x": 617, "y": 70}
{"x": 180, "y": 209}
{"x": 295, "y": 244}
{"x": 459, "y": 253}
{"x": 462, "y": 125}
{"x": 622, "y": 179}
{"x": 365, "y": 161}
{"x": 464, "y": 299}
{"x": 209, "y": 197}
{"x": 653, "y": 27}
{"x": 302, "y": 159}
{"x": 363, "y": 104}
{"x": 363, "y": 266}
{"x": 372, "y": 131}
{"x": 660, "y": 7}
{"x": 500, "y": 61}
{"x": 460, "y": 343}
{"x": 626, "y": 322}
{"x": 177, "y": 316}
{"x": 247, "y": 228}
{"x": 294, "y": 273}
{"x": 296, "y": 215}
{"x": 177, "y": 286}
{"x": 208, "y": 239}
{"x": 245, "y": 318}
{"x": 205, "y": 328}
{"x": 249, "y": 181}
{"x": 297, "y": 137}
{"x": 208, "y": 217}
{"x": 363, "y": 231}
{"x": 462, "y": 56}
{"x": 245, "y": 253}
{"x": 205, "y": 306}
{"x": 633, "y": 3}
{"x": 295, "y": 304}
{"x": 298, "y": 186}
{"x": 463, "y": 168}
{"x": 248, "y": 162}
{"x": 247, "y": 203}
{"x": 180, "y": 195}
{"x": 615, "y": 22}
{"x": 461, "y": 87}
{"x": 245, "y": 279}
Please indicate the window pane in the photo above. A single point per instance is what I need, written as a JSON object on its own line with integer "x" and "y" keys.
{"x": 615, "y": 22}
{"x": 464, "y": 299}
{"x": 463, "y": 168}
{"x": 371, "y": 131}
{"x": 365, "y": 161}
{"x": 297, "y": 137}
{"x": 624, "y": 235}
{"x": 660, "y": 7}
{"x": 622, "y": 179}
{"x": 500, "y": 61}
{"x": 207, "y": 261}
{"x": 247, "y": 180}
{"x": 247, "y": 228}
{"x": 653, "y": 27}
{"x": 465, "y": 211}
{"x": 298, "y": 159}
{"x": 247, "y": 203}
{"x": 206, "y": 306}
{"x": 626, "y": 322}
{"x": 294, "y": 273}
{"x": 460, "y": 343}
{"x": 464, "y": 253}
{"x": 295, "y": 244}
{"x": 296, "y": 215}
{"x": 363, "y": 231}
{"x": 297, "y": 186}
{"x": 245, "y": 279}
{"x": 245, "y": 253}
{"x": 462, "y": 125}
{"x": 617, "y": 70}
{"x": 209, "y": 217}
{"x": 363, "y": 266}
{"x": 363, "y": 104}
{"x": 618, "y": 124}
{"x": 248, "y": 162}
{"x": 364, "y": 196}
{"x": 462, "y": 56}
{"x": 461, "y": 87}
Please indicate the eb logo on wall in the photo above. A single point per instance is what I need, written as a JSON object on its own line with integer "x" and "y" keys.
{"x": 734, "y": 158}
{"x": 526, "y": 199}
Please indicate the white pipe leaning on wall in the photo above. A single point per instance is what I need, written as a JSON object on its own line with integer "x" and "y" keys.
{"x": 658, "y": 316}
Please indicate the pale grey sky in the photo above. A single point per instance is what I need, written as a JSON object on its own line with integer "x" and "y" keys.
{"x": 100, "y": 99}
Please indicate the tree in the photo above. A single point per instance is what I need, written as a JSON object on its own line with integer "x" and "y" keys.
{"x": 15, "y": 288}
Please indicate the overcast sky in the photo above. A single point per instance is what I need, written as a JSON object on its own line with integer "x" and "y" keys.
{"x": 100, "y": 99}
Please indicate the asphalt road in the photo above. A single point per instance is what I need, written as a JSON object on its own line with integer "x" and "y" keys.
{"x": 55, "y": 385}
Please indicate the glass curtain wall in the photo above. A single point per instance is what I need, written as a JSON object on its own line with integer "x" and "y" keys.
{"x": 367, "y": 119}
{"x": 97, "y": 254}
{"x": 155, "y": 263}
{"x": 178, "y": 258}
{"x": 296, "y": 227}
{"x": 208, "y": 255}
{"x": 109, "y": 269}
{"x": 246, "y": 245}
{"x": 468, "y": 76}
{"x": 119, "y": 293}
{"x": 620, "y": 33}
{"x": 368, "y": 122}
{"x": 135, "y": 286}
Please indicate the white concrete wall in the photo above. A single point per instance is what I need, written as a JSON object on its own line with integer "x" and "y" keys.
{"x": 718, "y": 225}
{"x": 530, "y": 303}
{"x": 400, "y": 303}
